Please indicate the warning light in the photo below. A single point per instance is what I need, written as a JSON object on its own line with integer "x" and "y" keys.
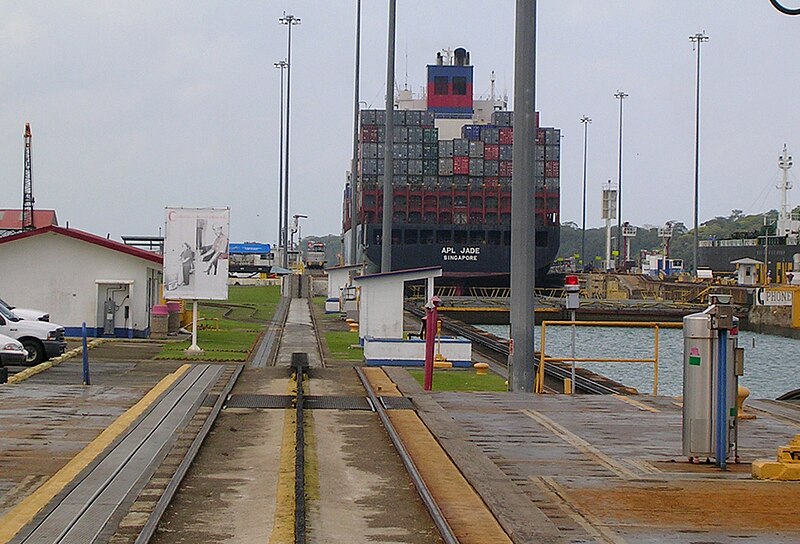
{"x": 571, "y": 284}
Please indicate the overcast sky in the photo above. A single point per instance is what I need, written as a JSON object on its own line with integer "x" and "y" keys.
{"x": 140, "y": 105}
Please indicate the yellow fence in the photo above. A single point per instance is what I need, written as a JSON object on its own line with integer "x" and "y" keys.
{"x": 655, "y": 325}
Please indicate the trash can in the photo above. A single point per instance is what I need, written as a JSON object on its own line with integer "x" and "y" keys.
{"x": 174, "y": 318}
{"x": 159, "y": 321}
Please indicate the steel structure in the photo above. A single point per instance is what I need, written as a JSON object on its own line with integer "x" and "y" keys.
{"x": 27, "y": 184}
{"x": 620, "y": 95}
{"x": 698, "y": 39}
{"x": 288, "y": 20}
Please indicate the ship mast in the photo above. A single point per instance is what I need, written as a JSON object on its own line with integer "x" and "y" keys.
{"x": 785, "y": 223}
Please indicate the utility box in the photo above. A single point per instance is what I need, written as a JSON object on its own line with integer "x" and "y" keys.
{"x": 701, "y": 366}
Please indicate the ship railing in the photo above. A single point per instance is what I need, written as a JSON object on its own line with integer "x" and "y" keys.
{"x": 655, "y": 325}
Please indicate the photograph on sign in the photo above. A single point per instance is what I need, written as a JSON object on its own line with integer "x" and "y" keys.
{"x": 196, "y": 253}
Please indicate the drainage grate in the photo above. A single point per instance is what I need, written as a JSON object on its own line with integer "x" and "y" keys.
{"x": 314, "y": 402}
{"x": 259, "y": 401}
{"x": 397, "y": 403}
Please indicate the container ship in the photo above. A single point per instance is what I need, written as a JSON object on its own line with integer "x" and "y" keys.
{"x": 777, "y": 244}
{"x": 452, "y": 158}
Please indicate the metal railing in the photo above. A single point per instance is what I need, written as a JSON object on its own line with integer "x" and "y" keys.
{"x": 655, "y": 325}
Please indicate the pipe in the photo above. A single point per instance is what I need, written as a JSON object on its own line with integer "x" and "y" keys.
{"x": 722, "y": 408}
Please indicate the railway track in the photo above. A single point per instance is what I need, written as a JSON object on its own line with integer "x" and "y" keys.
{"x": 497, "y": 349}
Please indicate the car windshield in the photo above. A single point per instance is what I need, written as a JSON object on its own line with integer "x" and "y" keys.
{"x": 8, "y": 314}
{"x": 6, "y": 304}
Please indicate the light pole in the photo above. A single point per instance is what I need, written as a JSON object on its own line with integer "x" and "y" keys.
{"x": 354, "y": 167}
{"x": 697, "y": 39}
{"x": 288, "y": 20}
{"x": 585, "y": 120}
{"x": 388, "y": 162}
{"x": 620, "y": 95}
{"x": 281, "y": 65}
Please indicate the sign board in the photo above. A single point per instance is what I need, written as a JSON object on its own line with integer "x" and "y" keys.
{"x": 773, "y": 297}
{"x": 196, "y": 253}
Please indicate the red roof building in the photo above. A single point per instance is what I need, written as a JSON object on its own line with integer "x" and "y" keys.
{"x": 11, "y": 220}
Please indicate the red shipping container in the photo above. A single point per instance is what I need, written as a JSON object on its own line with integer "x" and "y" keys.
{"x": 551, "y": 169}
{"x": 461, "y": 166}
{"x": 491, "y": 152}
{"x": 506, "y": 136}
{"x": 506, "y": 169}
{"x": 539, "y": 137}
{"x": 490, "y": 181}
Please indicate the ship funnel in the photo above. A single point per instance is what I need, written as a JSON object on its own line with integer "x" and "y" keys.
{"x": 461, "y": 57}
{"x": 439, "y": 60}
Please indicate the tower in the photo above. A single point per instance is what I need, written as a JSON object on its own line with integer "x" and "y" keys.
{"x": 27, "y": 184}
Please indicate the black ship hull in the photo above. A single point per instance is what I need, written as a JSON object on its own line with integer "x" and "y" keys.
{"x": 485, "y": 262}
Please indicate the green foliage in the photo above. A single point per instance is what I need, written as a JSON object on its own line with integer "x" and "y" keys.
{"x": 344, "y": 345}
{"x": 720, "y": 228}
{"x": 461, "y": 380}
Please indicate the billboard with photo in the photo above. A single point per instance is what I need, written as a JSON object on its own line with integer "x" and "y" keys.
{"x": 196, "y": 253}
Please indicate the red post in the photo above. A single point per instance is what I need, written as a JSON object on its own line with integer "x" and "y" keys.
{"x": 431, "y": 317}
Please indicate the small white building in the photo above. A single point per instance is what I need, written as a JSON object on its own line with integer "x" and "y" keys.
{"x": 746, "y": 273}
{"x": 339, "y": 278}
{"x": 79, "y": 277}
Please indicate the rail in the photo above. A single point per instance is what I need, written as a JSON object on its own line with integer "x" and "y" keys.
{"x": 655, "y": 325}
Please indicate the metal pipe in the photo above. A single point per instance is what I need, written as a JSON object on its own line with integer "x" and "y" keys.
{"x": 585, "y": 120}
{"x": 722, "y": 407}
{"x": 282, "y": 66}
{"x": 388, "y": 154}
{"x": 523, "y": 224}
{"x": 354, "y": 168}
{"x": 620, "y": 95}
{"x": 438, "y": 518}
{"x": 655, "y": 364}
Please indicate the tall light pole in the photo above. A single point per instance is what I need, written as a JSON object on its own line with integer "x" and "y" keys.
{"x": 585, "y": 120}
{"x": 281, "y": 65}
{"x": 620, "y": 95}
{"x": 523, "y": 225}
{"x": 388, "y": 162}
{"x": 354, "y": 165}
{"x": 288, "y": 20}
{"x": 698, "y": 40}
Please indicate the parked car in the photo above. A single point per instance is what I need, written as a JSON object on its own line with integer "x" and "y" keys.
{"x": 42, "y": 340}
{"x": 12, "y": 352}
{"x": 26, "y": 313}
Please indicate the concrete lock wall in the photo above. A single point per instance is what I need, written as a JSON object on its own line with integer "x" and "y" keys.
{"x": 58, "y": 274}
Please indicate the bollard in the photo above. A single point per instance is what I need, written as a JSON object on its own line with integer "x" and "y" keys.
{"x": 481, "y": 368}
{"x": 86, "y": 380}
{"x": 568, "y": 386}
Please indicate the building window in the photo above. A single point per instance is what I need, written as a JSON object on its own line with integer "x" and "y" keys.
{"x": 440, "y": 85}
{"x": 460, "y": 85}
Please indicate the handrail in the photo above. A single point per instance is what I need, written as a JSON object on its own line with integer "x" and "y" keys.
{"x": 655, "y": 325}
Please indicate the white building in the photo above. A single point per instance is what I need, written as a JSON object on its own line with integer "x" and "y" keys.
{"x": 79, "y": 277}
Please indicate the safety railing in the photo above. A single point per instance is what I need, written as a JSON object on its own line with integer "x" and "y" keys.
{"x": 655, "y": 325}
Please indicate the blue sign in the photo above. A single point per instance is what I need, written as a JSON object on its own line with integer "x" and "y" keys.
{"x": 249, "y": 249}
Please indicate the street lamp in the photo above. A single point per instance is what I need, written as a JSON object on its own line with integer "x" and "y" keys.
{"x": 281, "y": 65}
{"x": 388, "y": 161}
{"x": 698, "y": 39}
{"x": 585, "y": 120}
{"x": 354, "y": 167}
{"x": 288, "y": 20}
{"x": 620, "y": 95}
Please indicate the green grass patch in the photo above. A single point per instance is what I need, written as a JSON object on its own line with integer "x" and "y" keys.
{"x": 461, "y": 380}
{"x": 339, "y": 343}
{"x": 240, "y": 319}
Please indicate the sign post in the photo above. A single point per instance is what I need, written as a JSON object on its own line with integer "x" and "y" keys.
{"x": 196, "y": 258}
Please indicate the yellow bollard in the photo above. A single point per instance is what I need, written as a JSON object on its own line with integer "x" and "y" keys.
{"x": 481, "y": 368}
{"x": 741, "y": 395}
{"x": 787, "y": 466}
{"x": 567, "y": 386}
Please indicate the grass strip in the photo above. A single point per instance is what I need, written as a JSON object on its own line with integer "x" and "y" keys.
{"x": 461, "y": 380}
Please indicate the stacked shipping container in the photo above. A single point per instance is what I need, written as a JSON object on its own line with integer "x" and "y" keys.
{"x": 461, "y": 181}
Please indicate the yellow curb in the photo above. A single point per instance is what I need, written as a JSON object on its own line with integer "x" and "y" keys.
{"x": 22, "y": 514}
{"x": 55, "y": 361}
{"x": 283, "y": 524}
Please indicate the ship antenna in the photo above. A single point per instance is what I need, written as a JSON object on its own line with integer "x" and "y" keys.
{"x": 784, "y": 163}
{"x": 492, "y": 87}
{"x": 405, "y": 85}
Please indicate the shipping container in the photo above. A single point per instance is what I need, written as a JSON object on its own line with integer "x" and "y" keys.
{"x": 430, "y": 167}
{"x": 552, "y": 152}
{"x": 430, "y": 151}
{"x": 460, "y": 147}
{"x": 551, "y": 169}
{"x": 476, "y": 150}
{"x": 505, "y": 169}
{"x": 538, "y": 152}
{"x": 540, "y": 136}
{"x": 491, "y": 152}
{"x": 415, "y": 167}
{"x": 445, "y": 166}
{"x": 552, "y": 136}
{"x": 445, "y": 148}
{"x": 491, "y": 168}
{"x": 471, "y": 132}
{"x": 476, "y": 167}
{"x": 490, "y": 135}
{"x": 414, "y": 135}
{"x": 506, "y": 136}
{"x": 506, "y": 152}
{"x": 430, "y": 181}
{"x": 460, "y": 165}
{"x": 430, "y": 135}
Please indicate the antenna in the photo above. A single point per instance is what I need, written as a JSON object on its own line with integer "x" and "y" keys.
{"x": 491, "y": 78}
{"x": 27, "y": 184}
{"x": 405, "y": 84}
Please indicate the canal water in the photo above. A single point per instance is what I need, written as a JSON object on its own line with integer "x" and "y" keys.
{"x": 771, "y": 363}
